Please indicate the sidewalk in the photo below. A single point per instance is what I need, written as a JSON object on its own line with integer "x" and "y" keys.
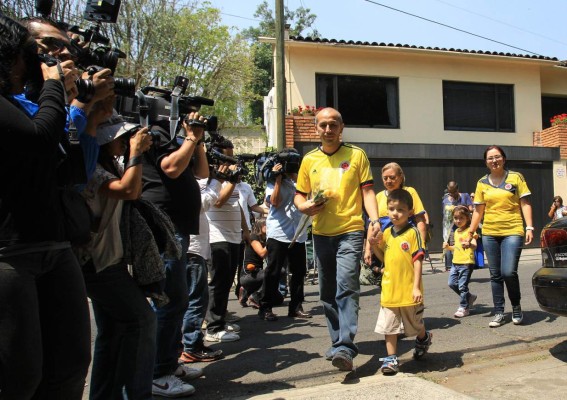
{"x": 379, "y": 387}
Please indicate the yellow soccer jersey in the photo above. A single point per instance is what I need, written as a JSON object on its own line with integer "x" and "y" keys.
{"x": 400, "y": 249}
{"x": 382, "y": 200}
{"x": 460, "y": 255}
{"x": 502, "y": 212}
{"x": 343, "y": 173}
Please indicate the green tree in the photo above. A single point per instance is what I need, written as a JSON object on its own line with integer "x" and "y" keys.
{"x": 300, "y": 20}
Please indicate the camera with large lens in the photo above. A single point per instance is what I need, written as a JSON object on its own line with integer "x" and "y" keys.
{"x": 122, "y": 86}
{"x": 288, "y": 158}
{"x": 85, "y": 87}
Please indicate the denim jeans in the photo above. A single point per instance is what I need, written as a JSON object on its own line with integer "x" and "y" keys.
{"x": 45, "y": 336}
{"x": 459, "y": 279}
{"x": 338, "y": 258}
{"x": 198, "y": 292}
{"x": 280, "y": 255}
{"x": 223, "y": 268}
{"x": 170, "y": 316}
{"x": 124, "y": 351}
{"x": 503, "y": 254}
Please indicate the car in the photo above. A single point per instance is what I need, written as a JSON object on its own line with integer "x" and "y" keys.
{"x": 550, "y": 281}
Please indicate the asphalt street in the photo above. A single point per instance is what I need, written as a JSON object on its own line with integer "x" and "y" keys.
{"x": 286, "y": 356}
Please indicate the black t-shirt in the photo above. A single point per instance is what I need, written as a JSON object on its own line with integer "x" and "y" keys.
{"x": 180, "y": 198}
{"x": 250, "y": 256}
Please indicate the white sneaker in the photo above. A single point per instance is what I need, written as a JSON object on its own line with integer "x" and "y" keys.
{"x": 171, "y": 386}
{"x": 497, "y": 321}
{"x": 232, "y": 328}
{"x": 222, "y": 336}
{"x": 186, "y": 373}
{"x": 462, "y": 312}
{"x": 517, "y": 316}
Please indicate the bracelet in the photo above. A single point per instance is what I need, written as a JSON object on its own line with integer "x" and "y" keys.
{"x": 133, "y": 162}
{"x": 529, "y": 228}
{"x": 373, "y": 222}
{"x": 191, "y": 139}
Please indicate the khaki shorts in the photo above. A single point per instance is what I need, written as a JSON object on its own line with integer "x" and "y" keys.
{"x": 396, "y": 320}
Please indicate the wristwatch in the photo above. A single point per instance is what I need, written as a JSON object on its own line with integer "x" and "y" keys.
{"x": 374, "y": 221}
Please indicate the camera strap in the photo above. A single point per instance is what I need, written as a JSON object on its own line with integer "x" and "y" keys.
{"x": 143, "y": 108}
{"x": 174, "y": 113}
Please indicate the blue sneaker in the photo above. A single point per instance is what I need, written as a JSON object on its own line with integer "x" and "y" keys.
{"x": 390, "y": 365}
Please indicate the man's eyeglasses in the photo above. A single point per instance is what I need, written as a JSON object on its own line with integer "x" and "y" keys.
{"x": 495, "y": 158}
{"x": 389, "y": 178}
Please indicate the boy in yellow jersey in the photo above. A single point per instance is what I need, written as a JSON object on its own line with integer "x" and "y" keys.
{"x": 342, "y": 172}
{"x": 401, "y": 301}
{"x": 463, "y": 260}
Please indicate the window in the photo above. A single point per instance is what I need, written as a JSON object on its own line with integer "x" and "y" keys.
{"x": 478, "y": 107}
{"x": 550, "y": 107}
{"x": 363, "y": 101}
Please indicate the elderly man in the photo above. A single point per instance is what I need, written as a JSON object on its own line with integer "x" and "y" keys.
{"x": 334, "y": 181}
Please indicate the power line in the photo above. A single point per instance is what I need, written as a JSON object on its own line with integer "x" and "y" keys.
{"x": 451, "y": 27}
{"x": 502, "y": 22}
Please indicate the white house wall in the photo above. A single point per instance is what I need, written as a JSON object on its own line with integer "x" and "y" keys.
{"x": 420, "y": 77}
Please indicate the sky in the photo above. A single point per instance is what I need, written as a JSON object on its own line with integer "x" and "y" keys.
{"x": 529, "y": 26}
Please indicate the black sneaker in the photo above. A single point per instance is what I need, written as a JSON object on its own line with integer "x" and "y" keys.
{"x": 342, "y": 360}
{"x": 422, "y": 346}
{"x": 205, "y": 354}
{"x": 517, "y": 316}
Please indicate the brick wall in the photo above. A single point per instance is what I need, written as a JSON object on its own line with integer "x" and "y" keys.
{"x": 300, "y": 129}
{"x": 555, "y": 136}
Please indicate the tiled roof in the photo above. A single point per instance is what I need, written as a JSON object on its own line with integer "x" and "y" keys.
{"x": 407, "y": 46}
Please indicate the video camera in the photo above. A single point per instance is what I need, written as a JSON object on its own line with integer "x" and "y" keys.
{"x": 289, "y": 158}
{"x": 215, "y": 143}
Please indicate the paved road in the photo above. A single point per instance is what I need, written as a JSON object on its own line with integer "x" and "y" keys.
{"x": 287, "y": 354}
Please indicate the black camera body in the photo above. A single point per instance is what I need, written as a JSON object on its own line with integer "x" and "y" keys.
{"x": 288, "y": 158}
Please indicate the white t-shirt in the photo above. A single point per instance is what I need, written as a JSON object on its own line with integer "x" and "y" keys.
{"x": 199, "y": 244}
{"x": 225, "y": 222}
{"x": 246, "y": 199}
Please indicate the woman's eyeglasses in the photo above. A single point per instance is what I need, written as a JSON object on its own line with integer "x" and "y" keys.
{"x": 495, "y": 158}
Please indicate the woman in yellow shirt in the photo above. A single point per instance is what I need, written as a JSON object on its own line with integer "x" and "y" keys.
{"x": 502, "y": 198}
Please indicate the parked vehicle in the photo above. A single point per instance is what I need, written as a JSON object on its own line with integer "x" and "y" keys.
{"x": 550, "y": 281}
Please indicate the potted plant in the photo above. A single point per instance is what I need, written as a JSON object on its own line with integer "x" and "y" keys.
{"x": 295, "y": 111}
{"x": 560, "y": 119}
{"x": 308, "y": 111}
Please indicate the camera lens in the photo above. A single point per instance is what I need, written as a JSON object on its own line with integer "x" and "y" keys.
{"x": 86, "y": 90}
{"x": 125, "y": 87}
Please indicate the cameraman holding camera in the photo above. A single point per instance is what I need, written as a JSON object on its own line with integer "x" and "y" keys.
{"x": 44, "y": 315}
{"x": 281, "y": 225}
{"x": 169, "y": 181}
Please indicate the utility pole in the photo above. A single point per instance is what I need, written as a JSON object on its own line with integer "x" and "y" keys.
{"x": 280, "y": 76}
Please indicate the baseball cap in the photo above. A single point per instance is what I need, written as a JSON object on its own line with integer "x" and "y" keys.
{"x": 113, "y": 128}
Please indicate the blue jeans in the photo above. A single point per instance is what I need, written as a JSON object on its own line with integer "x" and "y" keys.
{"x": 503, "y": 254}
{"x": 125, "y": 346}
{"x": 170, "y": 316}
{"x": 459, "y": 278}
{"x": 198, "y": 292}
{"x": 45, "y": 335}
{"x": 338, "y": 258}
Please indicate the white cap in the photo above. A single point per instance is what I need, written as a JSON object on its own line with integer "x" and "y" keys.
{"x": 113, "y": 128}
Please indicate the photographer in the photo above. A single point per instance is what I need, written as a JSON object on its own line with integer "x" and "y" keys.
{"x": 227, "y": 225}
{"x": 169, "y": 182}
{"x": 53, "y": 41}
{"x": 44, "y": 314}
{"x": 282, "y": 223}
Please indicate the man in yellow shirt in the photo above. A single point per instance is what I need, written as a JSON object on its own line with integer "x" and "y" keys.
{"x": 341, "y": 172}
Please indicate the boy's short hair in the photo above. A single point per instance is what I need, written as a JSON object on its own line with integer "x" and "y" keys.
{"x": 401, "y": 196}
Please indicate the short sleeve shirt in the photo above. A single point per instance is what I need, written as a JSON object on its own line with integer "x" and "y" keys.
{"x": 461, "y": 255}
{"x": 400, "y": 249}
{"x": 342, "y": 175}
{"x": 283, "y": 220}
{"x": 502, "y": 212}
